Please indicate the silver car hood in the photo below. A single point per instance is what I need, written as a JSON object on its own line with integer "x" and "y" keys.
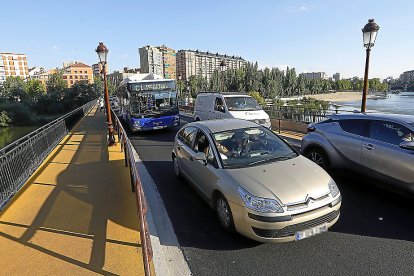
{"x": 290, "y": 181}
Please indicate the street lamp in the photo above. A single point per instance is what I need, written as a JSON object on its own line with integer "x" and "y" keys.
{"x": 222, "y": 69}
{"x": 102, "y": 52}
{"x": 369, "y": 34}
{"x": 179, "y": 86}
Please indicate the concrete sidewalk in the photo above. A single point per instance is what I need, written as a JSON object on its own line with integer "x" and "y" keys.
{"x": 76, "y": 215}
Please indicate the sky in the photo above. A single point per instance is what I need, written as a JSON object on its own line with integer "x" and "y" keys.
{"x": 311, "y": 36}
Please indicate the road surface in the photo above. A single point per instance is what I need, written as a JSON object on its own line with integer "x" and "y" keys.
{"x": 373, "y": 236}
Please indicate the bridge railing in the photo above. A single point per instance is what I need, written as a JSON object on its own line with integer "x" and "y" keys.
{"x": 21, "y": 158}
{"x": 297, "y": 114}
{"x": 130, "y": 161}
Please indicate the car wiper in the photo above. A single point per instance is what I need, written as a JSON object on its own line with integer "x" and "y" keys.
{"x": 279, "y": 158}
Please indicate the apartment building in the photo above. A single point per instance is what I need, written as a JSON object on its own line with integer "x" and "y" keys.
{"x": 315, "y": 76}
{"x": 406, "y": 76}
{"x": 116, "y": 77}
{"x": 77, "y": 71}
{"x": 151, "y": 60}
{"x": 204, "y": 64}
{"x": 159, "y": 60}
{"x": 13, "y": 65}
{"x": 337, "y": 77}
{"x": 97, "y": 69}
{"x": 168, "y": 62}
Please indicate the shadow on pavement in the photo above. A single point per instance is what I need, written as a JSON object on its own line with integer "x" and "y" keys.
{"x": 373, "y": 208}
{"x": 194, "y": 222}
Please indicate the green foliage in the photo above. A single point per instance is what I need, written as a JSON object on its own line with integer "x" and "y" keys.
{"x": 14, "y": 89}
{"x": 111, "y": 88}
{"x": 257, "y": 97}
{"x": 56, "y": 83}
{"x": 20, "y": 113}
{"x": 4, "y": 119}
{"x": 98, "y": 85}
{"x": 27, "y": 103}
{"x": 272, "y": 83}
{"x": 34, "y": 90}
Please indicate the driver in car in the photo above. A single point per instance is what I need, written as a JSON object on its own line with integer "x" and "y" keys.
{"x": 237, "y": 145}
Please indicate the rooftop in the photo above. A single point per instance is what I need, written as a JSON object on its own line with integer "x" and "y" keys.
{"x": 225, "y": 56}
{"x": 79, "y": 65}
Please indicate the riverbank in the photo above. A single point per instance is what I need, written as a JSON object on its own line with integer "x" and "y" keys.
{"x": 339, "y": 96}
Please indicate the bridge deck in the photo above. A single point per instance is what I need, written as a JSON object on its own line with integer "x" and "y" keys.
{"x": 76, "y": 214}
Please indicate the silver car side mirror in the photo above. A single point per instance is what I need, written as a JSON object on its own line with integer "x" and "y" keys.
{"x": 407, "y": 145}
{"x": 200, "y": 156}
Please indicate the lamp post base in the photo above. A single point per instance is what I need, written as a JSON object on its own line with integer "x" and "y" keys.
{"x": 111, "y": 141}
{"x": 111, "y": 136}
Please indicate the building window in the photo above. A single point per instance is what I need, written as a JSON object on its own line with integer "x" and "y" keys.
{"x": 65, "y": 77}
{"x": 76, "y": 72}
{"x": 71, "y": 77}
{"x": 71, "y": 82}
{"x": 76, "y": 77}
{"x": 81, "y": 77}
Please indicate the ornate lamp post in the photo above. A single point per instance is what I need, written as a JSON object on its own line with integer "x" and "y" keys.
{"x": 222, "y": 69}
{"x": 179, "y": 87}
{"x": 369, "y": 34}
{"x": 102, "y": 52}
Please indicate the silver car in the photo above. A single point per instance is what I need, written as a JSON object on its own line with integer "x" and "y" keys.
{"x": 257, "y": 184}
{"x": 379, "y": 145}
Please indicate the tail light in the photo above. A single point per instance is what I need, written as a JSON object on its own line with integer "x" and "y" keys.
{"x": 310, "y": 128}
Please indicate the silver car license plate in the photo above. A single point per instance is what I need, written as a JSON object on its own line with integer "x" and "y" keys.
{"x": 311, "y": 232}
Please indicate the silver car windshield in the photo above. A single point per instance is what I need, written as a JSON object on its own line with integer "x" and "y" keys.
{"x": 251, "y": 146}
{"x": 241, "y": 104}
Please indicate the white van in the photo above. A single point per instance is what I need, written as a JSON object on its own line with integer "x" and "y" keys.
{"x": 213, "y": 106}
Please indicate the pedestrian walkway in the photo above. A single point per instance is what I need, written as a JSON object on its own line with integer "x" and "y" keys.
{"x": 76, "y": 215}
{"x": 291, "y": 134}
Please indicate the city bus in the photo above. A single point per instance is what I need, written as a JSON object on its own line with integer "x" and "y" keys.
{"x": 147, "y": 102}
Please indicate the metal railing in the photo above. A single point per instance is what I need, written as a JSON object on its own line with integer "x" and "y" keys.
{"x": 136, "y": 186}
{"x": 304, "y": 115}
{"x": 21, "y": 158}
{"x": 294, "y": 113}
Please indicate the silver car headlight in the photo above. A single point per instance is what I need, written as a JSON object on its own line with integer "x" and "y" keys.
{"x": 333, "y": 188}
{"x": 259, "y": 204}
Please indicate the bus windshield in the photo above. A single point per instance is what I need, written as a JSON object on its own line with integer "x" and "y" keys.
{"x": 153, "y": 99}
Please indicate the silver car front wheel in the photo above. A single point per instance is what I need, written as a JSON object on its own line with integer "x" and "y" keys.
{"x": 224, "y": 214}
{"x": 319, "y": 157}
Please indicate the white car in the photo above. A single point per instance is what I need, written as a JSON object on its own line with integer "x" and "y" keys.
{"x": 216, "y": 106}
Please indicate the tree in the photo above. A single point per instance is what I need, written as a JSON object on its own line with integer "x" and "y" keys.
{"x": 34, "y": 89}
{"x": 14, "y": 89}
{"x": 256, "y": 95}
{"x": 56, "y": 83}
{"x": 215, "y": 82}
{"x": 374, "y": 84}
{"x": 4, "y": 119}
{"x": 193, "y": 86}
{"x": 98, "y": 85}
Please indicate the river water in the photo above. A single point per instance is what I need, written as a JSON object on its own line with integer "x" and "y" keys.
{"x": 11, "y": 134}
{"x": 393, "y": 103}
